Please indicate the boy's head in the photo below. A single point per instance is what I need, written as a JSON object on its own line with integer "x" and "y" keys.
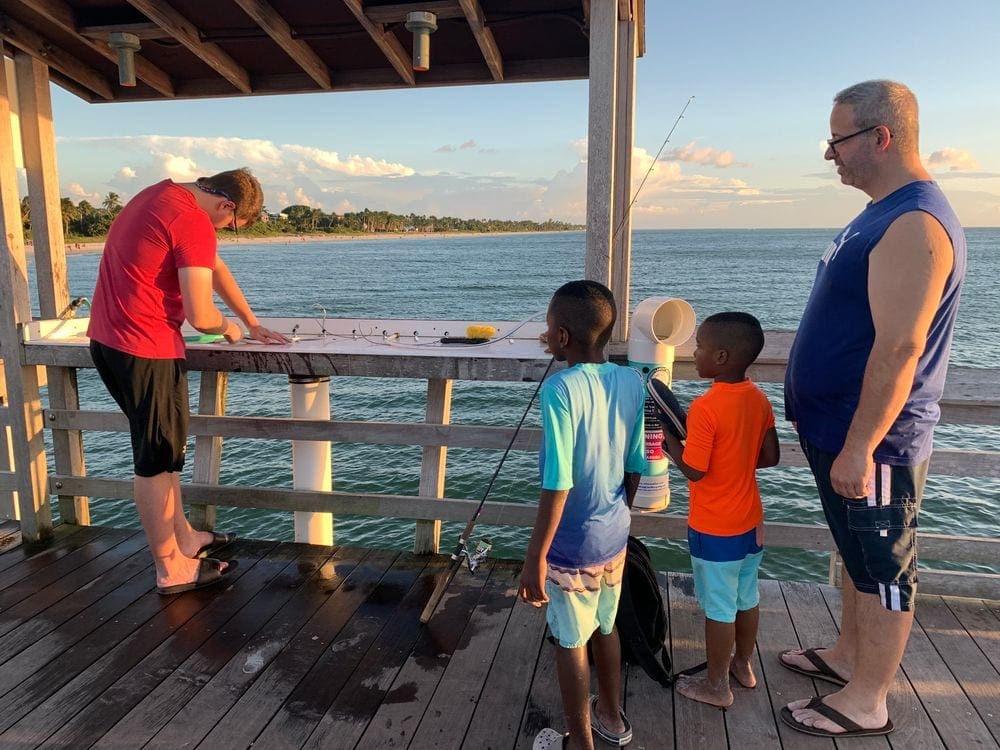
{"x": 727, "y": 344}
{"x": 240, "y": 187}
{"x": 580, "y": 318}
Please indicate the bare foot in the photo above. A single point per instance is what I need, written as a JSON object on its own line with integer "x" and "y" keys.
{"x": 701, "y": 690}
{"x": 190, "y": 546}
{"x": 808, "y": 717}
{"x": 838, "y": 670}
{"x": 613, "y": 722}
{"x": 742, "y": 671}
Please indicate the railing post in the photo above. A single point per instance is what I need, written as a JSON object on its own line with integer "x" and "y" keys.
{"x": 427, "y": 535}
{"x": 38, "y": 141}
{"x": 8, "y": 499}
{"x": 208, "y": 448}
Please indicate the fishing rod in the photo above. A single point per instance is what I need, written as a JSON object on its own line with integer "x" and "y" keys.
{"x": 461, "y": 549}
{"x": 628, "y": 210}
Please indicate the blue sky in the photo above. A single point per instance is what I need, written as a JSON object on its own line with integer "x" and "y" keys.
{"x": 747, "y": 154}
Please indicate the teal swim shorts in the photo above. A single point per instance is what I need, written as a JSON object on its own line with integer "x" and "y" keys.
{"x": 581, "y": 600}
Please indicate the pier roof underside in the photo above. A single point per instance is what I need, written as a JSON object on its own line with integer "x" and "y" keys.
{"x": 191, "y": 49}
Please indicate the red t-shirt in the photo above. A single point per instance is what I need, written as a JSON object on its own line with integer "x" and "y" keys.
{"x": 137, "y": 306}
{"x": 726, "y": 428}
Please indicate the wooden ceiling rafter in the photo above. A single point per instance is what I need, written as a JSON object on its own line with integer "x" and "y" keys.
{"x": 59, "y": 13}
{"x": 385, "y": 40}
{"x": 484, "y": 37}
{"x": 186, "y": 33}
{"x": 443, "y": 9}
{"x": 281, "y": 32}
{"x": 34, "y": 44}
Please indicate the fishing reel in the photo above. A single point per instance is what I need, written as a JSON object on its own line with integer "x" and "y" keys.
{"x": 476, "y": 558}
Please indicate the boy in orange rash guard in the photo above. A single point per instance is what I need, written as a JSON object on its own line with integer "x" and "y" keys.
{"x": 730, "y": 435}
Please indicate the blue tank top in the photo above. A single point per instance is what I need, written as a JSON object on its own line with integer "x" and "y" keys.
{"x": 827, "y": 361}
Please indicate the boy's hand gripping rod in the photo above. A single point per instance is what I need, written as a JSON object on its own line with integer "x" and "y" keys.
{"x": 461, "y": 551}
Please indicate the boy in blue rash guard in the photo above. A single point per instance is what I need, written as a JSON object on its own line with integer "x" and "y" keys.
{"x": 591, "y": 458}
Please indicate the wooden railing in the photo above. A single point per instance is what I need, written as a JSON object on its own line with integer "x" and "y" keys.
{"x": 972, "y": 397}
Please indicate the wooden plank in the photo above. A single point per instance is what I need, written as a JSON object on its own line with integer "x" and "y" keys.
{"x": 648, "y": 705}
{"x": 484, "y": 37}
{"x": 187, "y": 34}
{"x": 46, "y": 554}
{"x": 449, "y": 712}
{"x": 42, "y": 595}
{"x": 385, "y": 41}
{"x": 960, "y": 583}
{"x": 277, "y": 28}
{"x": 601, "y": 139}
{"x": 24, "y": 551}
{"x": 350, "y": 584}
{"x": 107, "y": 688}
{"x": 501, "y": 705}
{"x": 777, "y": 634}
{"x": 212, "y": 389}
{"x": 427, "y": 537}
{"x": 544, "y": 706}
{"x": 403, "y": 587}
{"x": 976, "y": 677}
{"x": 687, "y": 631}
{"x": 620, "y": 266}
{"x": 982, "y": 625}
{"x": 191, "y": 658}
{"x": 359, "y": 699}
{"x": 410, "y": 692}
{"x": 70, "y": 564}
{"x": 750, "y": 721}
{"x": 295, "y": 595}
{"x": 913, "y": 726}
{"x": 10, "y": 531}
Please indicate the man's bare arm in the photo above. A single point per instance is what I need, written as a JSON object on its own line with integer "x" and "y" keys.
{"x": 907, "y": 273}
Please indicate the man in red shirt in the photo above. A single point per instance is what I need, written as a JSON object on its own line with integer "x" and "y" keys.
{"x": 159, "y": 268}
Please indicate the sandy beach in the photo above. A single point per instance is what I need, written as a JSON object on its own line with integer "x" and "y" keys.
{"x": 75, "y": 248}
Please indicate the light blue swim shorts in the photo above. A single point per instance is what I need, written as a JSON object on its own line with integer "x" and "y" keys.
{"x": 725, "y": 573}
{"x": 581, "y": 600}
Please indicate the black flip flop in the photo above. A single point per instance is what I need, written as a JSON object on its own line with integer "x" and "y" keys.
{"x": 823, "y": 670}
{"x": 218, "y": 542}
{"x": 851, "y": 729}
{"x": 669, "y": 410}
{"x": 209, "y": 574}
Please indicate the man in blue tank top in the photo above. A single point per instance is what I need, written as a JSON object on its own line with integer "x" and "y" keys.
{"x": 864, "y": 377}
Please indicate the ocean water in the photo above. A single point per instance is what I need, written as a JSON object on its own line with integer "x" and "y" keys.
{"x": 510, "y": 277}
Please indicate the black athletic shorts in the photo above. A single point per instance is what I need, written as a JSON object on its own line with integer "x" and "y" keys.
{"x": 153, "y": 393}
{"x": 875, "y": 535}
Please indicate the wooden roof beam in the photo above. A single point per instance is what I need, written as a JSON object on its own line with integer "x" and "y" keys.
{"x": 279, "y": 30}
{"x": 26, "y": 40}
{"x": 484, "y": 37}
{"x": 397, "y": 13}
{"x": 187, "y": 34}
{"x": 386, "y": 41}
{"x": 59, "y": 13}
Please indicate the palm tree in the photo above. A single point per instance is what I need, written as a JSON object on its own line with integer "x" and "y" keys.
{"x": 112, "y": 204}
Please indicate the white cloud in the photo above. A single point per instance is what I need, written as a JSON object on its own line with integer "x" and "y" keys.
{"x": 952, "y": 159}
{"x": 705, "y": 155}
{"x": 79, "y": 193}
{"x": 126, "y": 173}
{"x": 445, "y": 149}
{"x": 468, "y": 144}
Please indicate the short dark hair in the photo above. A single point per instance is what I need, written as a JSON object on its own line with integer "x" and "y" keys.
{"x": 587, "y": 310}
{"x": 242, "y": 188}
{"x": 739, "y": 333}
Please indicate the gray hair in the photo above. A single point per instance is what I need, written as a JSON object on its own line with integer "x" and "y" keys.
{"x": 884, "y": 103}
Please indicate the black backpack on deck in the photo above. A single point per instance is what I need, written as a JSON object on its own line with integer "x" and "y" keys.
{"x": 641, "y": 621}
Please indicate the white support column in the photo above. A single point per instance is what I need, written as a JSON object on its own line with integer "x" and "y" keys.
{"x": 39, "y": 141}
{"x": 22, "y": 382}
{"x": 601, "y": 138}
{"x": 621, "y": 226}
{"x": 312, "y": 462}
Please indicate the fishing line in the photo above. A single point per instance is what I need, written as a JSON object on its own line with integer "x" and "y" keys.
{"x": 628, "y": 210}
{"x": 461, "y": 552}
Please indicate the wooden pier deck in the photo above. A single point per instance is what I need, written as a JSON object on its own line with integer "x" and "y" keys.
{"x": 314, "y": 647}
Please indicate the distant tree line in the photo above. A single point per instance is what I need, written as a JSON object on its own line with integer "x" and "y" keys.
{"x": 85, "y": 220}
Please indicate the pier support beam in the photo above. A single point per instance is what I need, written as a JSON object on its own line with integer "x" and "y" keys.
{"x": 427, "y": 537}
{"x": 312, "y": 461}
{"x": 25, "y": 406}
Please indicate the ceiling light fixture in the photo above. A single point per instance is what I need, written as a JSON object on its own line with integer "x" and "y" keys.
{"x": 422, "y": 24}
{"x": 126, "y": 45}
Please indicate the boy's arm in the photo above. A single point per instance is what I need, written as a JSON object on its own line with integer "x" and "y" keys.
{"x": 675, "y": 449}
{"x": 550, "y": 509}
{"x": 631, "y": 486}
{"x": 770, "y": 451}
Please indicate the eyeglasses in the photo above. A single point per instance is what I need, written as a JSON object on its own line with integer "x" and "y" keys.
{"x": 224, "y": 194}
{"x": 833, "y": 142}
